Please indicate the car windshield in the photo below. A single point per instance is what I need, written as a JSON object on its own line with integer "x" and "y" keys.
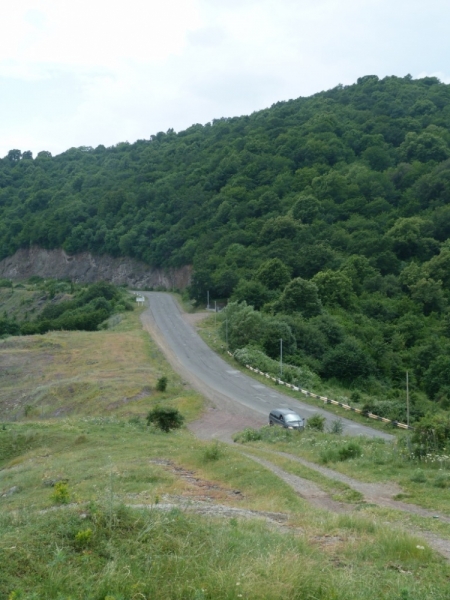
{"x": 292, "y": 418}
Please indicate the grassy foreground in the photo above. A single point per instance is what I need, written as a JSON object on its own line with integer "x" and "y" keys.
{"x": 84, "y": 498}
{"x": 100, "y": 532}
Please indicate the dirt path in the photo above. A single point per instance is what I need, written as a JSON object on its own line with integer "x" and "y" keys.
{"x": 221, "y": 422}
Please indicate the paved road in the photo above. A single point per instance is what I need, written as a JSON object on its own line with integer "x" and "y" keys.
{"x": 227, "y": 388}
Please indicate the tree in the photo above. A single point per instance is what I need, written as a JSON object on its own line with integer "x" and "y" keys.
{"x": 429, "y": 293}
{"x": 347, "y": 362}
{"x": 300, "y": 296}
{"x": 274, "y": 331}
{"x": 335, "y": 288}
{"x": 358, "y": 269}
{"x": 254, "y": 293}
{"x": 438, "y": 268}
{"x": 316, "y": 258}
{"x": 437, "y": 376}
{"x": 407, "y": 236}
{"x": 165, "y": 418}
{"x": 14, "y": 155}
{"x": 279, "y": 228}
{"x": 424, "y": 147}
{"x": 273, "y": 274}
{"x": 243, "y": 324}
{"x": 307, "y": 208}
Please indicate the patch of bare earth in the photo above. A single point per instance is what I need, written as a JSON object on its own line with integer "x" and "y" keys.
{"x": 221, "y": 425}
{"x": 198, "y": 487}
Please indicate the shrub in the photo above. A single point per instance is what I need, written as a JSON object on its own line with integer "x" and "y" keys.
{"x": 337, "y": 427}
{"x": 165, "y": 418}
{"x": 212, "y": 452}
{"x": 316, "y": 422}
{"x": 350, "y": 450}
{"x": 328, "y": 455}
{"x": 418, "y": 477}
{"x": 441, "y": 481}
{"x": 265, "y": 434}
{"x": 83, "y": 538}
{"x": 300, "y": 376}
{"x": 61, "y": 493}
{"x": 248, "y": 435}
{"x": 432, "y": 433}
{"x": 161, "y": 384}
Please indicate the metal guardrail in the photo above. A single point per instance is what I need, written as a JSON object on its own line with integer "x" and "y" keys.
{"x": 329, "y": 400}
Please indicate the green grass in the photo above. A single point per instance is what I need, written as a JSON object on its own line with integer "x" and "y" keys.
{"x": 135, "y": 553}
{"x": 380, "y": 461}
{"x": 71, "y": 487}
{"x": 97, "y": 546}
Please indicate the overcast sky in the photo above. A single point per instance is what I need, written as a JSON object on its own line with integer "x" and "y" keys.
{"x": 96, "y": 72}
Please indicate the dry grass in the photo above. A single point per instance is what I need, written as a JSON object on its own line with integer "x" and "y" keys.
{"x": 65, "y": 373}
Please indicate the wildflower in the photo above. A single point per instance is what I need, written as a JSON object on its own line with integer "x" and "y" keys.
{"x": 420, "y": 547}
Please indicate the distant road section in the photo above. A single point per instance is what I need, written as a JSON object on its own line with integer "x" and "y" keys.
{"x": 241, "y": 398}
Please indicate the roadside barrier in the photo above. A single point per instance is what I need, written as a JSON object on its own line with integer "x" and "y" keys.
{"x": 326, "y": 400}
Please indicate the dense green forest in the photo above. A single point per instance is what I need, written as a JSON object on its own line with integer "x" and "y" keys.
{"x": 329, "y": 215}
{"x": 39, "y": 305}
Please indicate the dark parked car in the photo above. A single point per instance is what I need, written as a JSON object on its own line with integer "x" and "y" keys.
{"x": 287, "y": 418}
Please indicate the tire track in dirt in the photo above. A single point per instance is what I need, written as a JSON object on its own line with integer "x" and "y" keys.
{"x": 222, "y": 423}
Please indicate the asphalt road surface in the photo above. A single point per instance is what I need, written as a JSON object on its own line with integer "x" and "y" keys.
{"x": 227, "y": 388}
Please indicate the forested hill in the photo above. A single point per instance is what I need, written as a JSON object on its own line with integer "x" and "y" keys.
{"x": 349, "y": 188}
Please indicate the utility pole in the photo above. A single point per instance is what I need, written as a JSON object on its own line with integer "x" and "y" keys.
{"x": 407, "y": 399}
{"x": 281, "y": 358}
{"x": 226, "y": 331}
{"x": 215, "y": 312}
{"x": 207, "y": 296}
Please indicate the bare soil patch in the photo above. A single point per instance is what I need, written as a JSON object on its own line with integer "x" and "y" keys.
{"x": 198, "y": 487}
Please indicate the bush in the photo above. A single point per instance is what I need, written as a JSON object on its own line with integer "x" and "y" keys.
{"x": 165, "y": 418}
{"x": 83, "y": 539}
{"x": 441, "y": 481}
{"x": 61, "y": 493}
{"x": 328, "y": 455}
{"x": 256, "y": 358}
{"x": 418, "y": 477}
{"x": 266, "y": 434}
{"x": 316, "y": 422}
{"x": 337, "y": 427}
{"x": 432, "y": 433}
{"x": 248, "y": 435}
{"x": 350, "y": 450}
{"x": 161, "y": 384}
{"x": 212, "y": 452}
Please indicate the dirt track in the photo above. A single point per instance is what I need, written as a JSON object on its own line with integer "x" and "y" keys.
{"x": 220, "y": 422}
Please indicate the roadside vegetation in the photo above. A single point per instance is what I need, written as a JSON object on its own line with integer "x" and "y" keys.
{"x": 423, "y": 477}
{"x": 327, "y": 216}
{"x": 40, "y": 305}
{"x": 91, "y": 508}
{"x": 98, "y": 502}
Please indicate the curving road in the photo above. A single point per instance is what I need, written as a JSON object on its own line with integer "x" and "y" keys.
{"x": 229, "y": 389}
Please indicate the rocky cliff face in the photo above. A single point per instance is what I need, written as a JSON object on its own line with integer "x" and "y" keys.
{"x": 86, "y": 268}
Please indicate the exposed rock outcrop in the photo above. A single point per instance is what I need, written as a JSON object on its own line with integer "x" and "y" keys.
{"x": 87, "y": 268}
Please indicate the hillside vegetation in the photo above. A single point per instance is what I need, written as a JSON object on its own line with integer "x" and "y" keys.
{"x": 95, "y": 504}
{"x": 328, "y": 215}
